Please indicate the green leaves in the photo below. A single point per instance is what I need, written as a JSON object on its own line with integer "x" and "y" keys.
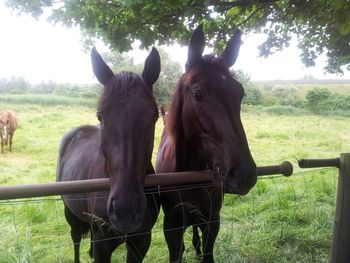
{"x": 322, "y": 26}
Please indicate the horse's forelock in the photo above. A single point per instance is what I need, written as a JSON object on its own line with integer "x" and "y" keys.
{"x": 118, "y": 85}
{"x": 209, "y": 66}
{"x": 210, "y": 61}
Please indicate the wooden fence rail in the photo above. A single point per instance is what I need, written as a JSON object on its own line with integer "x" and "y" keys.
{"x": 152, "y": 180}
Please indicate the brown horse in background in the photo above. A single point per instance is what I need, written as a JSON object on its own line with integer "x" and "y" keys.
{"x": 163, "y": 113}
{"x": 120, "y": 148}
{"x": 204, "y": 131}
{"x": 8, "y": 125}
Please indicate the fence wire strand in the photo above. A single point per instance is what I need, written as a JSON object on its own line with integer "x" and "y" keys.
{"x": 256, "y": 201}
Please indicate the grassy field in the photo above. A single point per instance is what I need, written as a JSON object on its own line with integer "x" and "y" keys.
{"x": 280, "y": 220}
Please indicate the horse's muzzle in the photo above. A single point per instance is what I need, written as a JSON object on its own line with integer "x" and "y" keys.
{"x": 238, "y": 180}
{"x": 126, "y": 217}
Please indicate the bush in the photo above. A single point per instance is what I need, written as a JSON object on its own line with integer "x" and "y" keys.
{"x": 84, "y": 91}
{"x": 339, "y": 102}
{"x": 321, "y": 100}
{"x": 43, "y": 88}
{"x": 252, "y": 96}
{"x": 317, "y": 98}
{"x": 286, "y": 96}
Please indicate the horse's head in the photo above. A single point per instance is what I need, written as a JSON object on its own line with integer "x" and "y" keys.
{"x": 211, "y": 114}
{"x": 127, "y": 113}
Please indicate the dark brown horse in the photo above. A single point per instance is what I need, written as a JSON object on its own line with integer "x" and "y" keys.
{"x": 8, "y": 125}
{"x": 120, "y": 148}
{"x": 204, "y": 131}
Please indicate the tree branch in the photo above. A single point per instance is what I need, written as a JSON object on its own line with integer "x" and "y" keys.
{"x": 229, "y": 5}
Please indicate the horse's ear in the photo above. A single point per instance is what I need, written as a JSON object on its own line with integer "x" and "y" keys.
{"x": 151, "y": 69}
{"x": 195, "y": 47}
{"x": 230, "y": 54}
{"x": 102, "y": 72}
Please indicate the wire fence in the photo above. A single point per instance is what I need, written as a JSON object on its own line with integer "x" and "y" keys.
{"x": 280, "y": 220}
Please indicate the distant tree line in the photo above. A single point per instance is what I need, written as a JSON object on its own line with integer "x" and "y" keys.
{"x": 319, "y": 100}
{"x": 18, "y": 85}
{"x": 278, "y": 98}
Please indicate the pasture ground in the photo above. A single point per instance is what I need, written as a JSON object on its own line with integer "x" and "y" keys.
{"x": 280, "y": 220}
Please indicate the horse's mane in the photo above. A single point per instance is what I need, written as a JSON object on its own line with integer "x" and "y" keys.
{"x": 119, "y": 85}
{"x": 173, "y": 121}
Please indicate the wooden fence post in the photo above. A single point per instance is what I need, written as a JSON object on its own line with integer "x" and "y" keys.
{"x": 341, "y": 231}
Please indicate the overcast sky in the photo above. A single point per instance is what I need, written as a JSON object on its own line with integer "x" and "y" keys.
{"x": 39, "y": 51}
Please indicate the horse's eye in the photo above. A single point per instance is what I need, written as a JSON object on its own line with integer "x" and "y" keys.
{"x": 99, "y": 116}
{"x": 197, "y": 93}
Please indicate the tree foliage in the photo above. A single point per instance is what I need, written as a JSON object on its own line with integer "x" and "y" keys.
{"x": 252, "y": 95}
{"x": 317, "y": 97}
{"x": 286, "y": 95}
{"x": 322, "y": 100}
{"x": 322, "y": 26}
{"x": 169, "y": 75}
{"x": 121, "y": 62}
{"x": 14, "y": 85}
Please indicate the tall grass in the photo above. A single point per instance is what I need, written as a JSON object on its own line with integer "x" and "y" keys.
{"x": 280, "y": 220}
{"x": 47, "y": 100}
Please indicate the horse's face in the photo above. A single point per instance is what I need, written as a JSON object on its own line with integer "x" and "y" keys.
{"x": 127, "y": 113}
{"x": 211, "y": 115}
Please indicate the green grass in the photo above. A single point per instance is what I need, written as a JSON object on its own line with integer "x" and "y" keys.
{"x": 280, "y": 220}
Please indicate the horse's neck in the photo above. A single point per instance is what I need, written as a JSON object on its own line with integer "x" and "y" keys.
{"x": 183, "y": 154}
{"x": 187, "y": 157}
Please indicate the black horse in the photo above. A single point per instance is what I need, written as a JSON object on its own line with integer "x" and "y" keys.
{"x": 120, "y": 148}
{"x": 204, "y": 131}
